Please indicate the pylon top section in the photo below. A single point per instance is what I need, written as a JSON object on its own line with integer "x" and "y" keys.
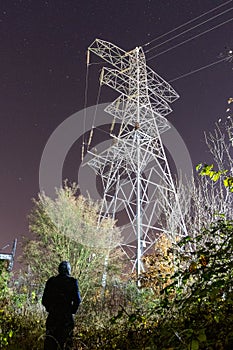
{"x": 122, "y": 60}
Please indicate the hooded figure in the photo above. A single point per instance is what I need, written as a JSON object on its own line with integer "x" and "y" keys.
{"x": 61, "y": 299}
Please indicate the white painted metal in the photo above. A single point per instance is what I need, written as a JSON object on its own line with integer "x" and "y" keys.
{"x": 135, "y": 173}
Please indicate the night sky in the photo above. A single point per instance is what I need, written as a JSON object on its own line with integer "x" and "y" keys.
{"x": 43, "y": 67}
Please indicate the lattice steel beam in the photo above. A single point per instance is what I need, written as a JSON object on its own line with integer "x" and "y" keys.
{"x": 134, "y": 171}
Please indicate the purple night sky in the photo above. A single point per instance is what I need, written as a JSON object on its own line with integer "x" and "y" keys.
{"x": 43, "y": 67}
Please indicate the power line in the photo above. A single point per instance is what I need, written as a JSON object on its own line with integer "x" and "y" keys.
{"x": 194, "y": 37}
{"x": 228, "y": 58}
{"x": 197, "y": 70}
{"x": 188, "y": 30}
{"x": 184, "y": 24}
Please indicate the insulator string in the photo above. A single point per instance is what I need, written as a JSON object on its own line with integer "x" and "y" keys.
{"x": 85, "y": 103}
{"x": 94, "y": 117}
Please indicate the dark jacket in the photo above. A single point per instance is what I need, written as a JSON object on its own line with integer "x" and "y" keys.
{"x": 61, "y": 295}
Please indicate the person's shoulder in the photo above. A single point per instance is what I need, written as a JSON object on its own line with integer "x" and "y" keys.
{"x": 50, "y": 280}
{"x": 73, "y": 278}
{"x": 73, "y": 281}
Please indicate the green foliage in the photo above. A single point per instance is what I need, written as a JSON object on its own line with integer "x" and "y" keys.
{"x": 201, "y": 294}
{"x": 207, "y": 170}
{"x": 58, "y": 227}
{"x": 185, "y": 302}
{"x": 19, "y": 319}
{"x": 5, "y": 333}
{"x": 193, "y": 311}
{"x": 66, "y": 229}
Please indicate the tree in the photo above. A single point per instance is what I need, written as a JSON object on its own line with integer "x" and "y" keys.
{"x": 203, "y": 201}
{"x": 158, "y": 266}
{"x": 67, "y": 228}
{"x": 204, "y": 196}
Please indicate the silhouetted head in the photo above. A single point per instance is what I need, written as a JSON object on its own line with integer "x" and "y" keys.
{"x": 64, "y": 268}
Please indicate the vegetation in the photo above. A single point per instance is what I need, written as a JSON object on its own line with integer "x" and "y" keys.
{"x": 186, "y": 296}
{"x": 192, "y": 310}
{"x": 67, "y": 229}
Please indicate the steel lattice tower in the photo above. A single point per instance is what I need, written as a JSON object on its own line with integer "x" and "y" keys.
{"x": 135, "y": 172}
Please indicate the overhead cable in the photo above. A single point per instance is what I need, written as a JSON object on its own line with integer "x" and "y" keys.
{"x": 188, "y": 30}
{"x": 184, "y": 24}
{"x": 197, "y": 70}
{"x": 187, "y": 40}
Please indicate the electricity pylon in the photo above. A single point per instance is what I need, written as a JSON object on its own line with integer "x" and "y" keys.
{"x": 134, "y": 171}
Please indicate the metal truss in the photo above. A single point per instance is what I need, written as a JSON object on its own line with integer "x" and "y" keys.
{"x": 134, "y": 171}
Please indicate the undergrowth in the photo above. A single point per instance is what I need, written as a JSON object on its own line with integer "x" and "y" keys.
{"x": 193, "y": 311}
